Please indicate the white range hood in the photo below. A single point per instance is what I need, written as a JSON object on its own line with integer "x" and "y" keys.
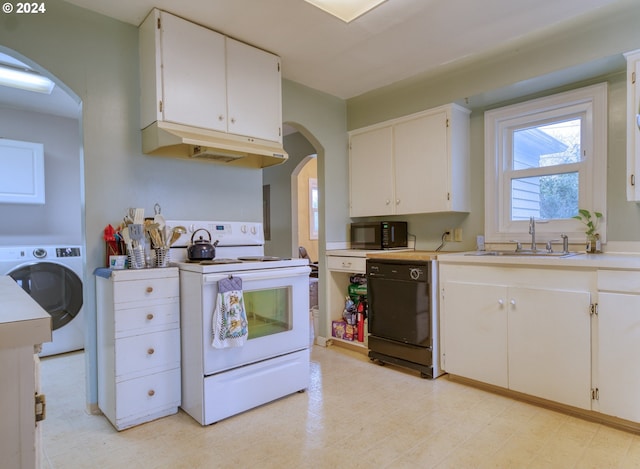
{"x": 181, "y": 141}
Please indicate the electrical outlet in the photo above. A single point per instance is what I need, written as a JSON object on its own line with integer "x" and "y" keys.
{"x": 457, "y": 235}
{"x": 448, "y": 234}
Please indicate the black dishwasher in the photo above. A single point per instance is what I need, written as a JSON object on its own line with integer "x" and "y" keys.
{"x": 402, "y": 297}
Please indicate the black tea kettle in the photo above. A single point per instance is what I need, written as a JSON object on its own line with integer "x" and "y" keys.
{"x": 201, "y": 249}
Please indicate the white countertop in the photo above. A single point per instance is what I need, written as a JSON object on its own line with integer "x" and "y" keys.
{"x": 586, "y": 261}
{"x": 22, "y": 320}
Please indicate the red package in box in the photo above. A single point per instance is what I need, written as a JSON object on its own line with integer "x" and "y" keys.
{"x": 342, "y": 330}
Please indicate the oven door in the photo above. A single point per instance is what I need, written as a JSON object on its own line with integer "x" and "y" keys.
{"x": 277, "y": 306}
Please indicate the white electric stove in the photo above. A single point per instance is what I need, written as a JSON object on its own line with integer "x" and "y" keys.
{"x": 274, "y": 361}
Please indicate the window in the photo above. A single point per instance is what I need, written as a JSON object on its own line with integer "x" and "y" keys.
{"x": 313, "y": 208}
{"x": 546, "y": 158}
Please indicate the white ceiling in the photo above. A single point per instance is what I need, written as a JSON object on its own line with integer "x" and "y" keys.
{"x": 399, "y": 39}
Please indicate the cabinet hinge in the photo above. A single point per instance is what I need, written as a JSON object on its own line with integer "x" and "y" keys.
{"x": 159, "y": 25}
{"x": 593, "y": 308}
{"x": 40, "y": 407}
{"x": 633, "y": 180}
{"x": 278, "y": 66}
{"x": 448, "y": 195}
{"x": 447, "y": 122}
{"x": 159, "y": 106}
{"x": 595, "y": 394}
{"x": 633, "y": 77}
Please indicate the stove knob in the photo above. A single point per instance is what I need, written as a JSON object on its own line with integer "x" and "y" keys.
{"x": 243, "y": 228}
{"x": 415, "y": 274}
{"x": 253, "y": 230}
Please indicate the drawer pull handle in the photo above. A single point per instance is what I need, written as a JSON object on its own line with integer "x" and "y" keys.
{"x": 149, "y": 289}
{"x": 151, "y": 392}
{"x": 151, "y": 351}
{"x": 149, "y": 316}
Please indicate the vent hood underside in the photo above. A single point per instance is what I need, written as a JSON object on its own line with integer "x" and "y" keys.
{"x": 181, "y": 141}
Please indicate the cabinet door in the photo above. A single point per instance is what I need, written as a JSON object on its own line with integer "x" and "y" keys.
{"x": 193, "y": 74}
{"x": 633, "y": 130}
{"x": 371, "y": 173}
{"x": 254, "y": 92}
{"x": 550, "y": 344}
{"x": 474, "y": 317}
{"x": 421, "y": 164}
{"x": 618, "y": 355}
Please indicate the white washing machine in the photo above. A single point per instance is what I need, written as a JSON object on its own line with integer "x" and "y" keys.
{"x": 52, "y": 275}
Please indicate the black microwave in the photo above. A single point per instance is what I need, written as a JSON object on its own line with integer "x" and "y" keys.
{"x": 379, "y": 235}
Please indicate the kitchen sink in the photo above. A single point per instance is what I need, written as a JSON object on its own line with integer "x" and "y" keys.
{"x": 523, "y": 253}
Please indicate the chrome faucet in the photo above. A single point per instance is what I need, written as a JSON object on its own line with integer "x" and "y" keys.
{"x": 532, "y": 232}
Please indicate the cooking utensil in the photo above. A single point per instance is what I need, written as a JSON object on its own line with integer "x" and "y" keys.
{"x": 159, "y": 219}
{"x": 201, "y": 249}
{"x": 176, "y": 232}
{"x": 138, "y": 216}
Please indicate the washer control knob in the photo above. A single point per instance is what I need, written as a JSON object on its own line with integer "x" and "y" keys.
{"x": 40, "y": 253}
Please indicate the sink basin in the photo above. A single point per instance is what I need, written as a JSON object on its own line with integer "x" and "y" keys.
{"x": 523, "y": 253}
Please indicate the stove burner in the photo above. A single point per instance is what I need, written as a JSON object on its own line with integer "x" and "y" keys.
{"x": 214, "y": 261}
{"x": 259, "y": 258}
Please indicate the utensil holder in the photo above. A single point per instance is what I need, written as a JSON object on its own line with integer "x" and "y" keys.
{"x": 162, "y": 257}
{"x": 136, "y": 258}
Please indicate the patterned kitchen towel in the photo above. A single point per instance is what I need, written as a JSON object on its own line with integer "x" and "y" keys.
{"x": 230, "y": 328}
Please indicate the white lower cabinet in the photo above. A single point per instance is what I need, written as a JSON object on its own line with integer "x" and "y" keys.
{"x": 528, "y": 330}
{"x": 138, "y": 324}
{"x": 618, "y": 342}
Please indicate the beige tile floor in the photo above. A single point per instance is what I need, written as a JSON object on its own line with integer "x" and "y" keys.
{"x": 355, "y": 414}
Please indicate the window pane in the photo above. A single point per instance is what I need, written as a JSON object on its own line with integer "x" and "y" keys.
{"x": 268, "y": 311}
{"x": 548, "y": 197}
{"x": 547, "y": 145}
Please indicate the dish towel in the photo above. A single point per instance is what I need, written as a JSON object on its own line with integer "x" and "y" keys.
{"x": 230, "y": 328}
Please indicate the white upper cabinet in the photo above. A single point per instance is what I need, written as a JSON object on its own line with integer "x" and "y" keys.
{"x": 22, "y": 175}
{"x": 194, "y": 76}
{"x": 254, "y": 92}
{"x": 633, "y": 125}
{"x": 414, "y": 164}
{"x": 371, "y": 169}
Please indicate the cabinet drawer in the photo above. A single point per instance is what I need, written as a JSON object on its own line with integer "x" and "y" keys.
{"x": 347, "y": 264}
{"x": 143, "y": 395}
{"x": 147, "y": 353}
{"x": 619, "y": 280}
{"x": 145, "y": 290}
{"x": 152, "y": 317}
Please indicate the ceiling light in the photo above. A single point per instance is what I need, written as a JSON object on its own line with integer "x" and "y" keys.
{"x": 25, "y": 80}
{"x": 346, "y": 10}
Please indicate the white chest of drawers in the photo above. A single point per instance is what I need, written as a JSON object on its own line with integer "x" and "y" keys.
{"x": 138, "y": 323}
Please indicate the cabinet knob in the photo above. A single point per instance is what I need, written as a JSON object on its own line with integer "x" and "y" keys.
{"x": 149, "y": 316}
{"x": 513, "y": 302}
{"x": 346, "y": 264}
{"x": 150, "y": 351}
{"x": 149, "y": 289}
{"x": 387, "y": 201}
{"x": 500, "y": 301}
{"x": 233, "y": 120}
{"x": 397, "y": 201}
{"x": 151, "y": 392}
{"x": 220, "y": 117}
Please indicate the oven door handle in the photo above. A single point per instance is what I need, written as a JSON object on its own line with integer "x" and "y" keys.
{"x": 267, "y": 274}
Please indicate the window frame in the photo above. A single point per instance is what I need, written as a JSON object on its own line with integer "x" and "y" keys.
{"x": 590, "y": 103}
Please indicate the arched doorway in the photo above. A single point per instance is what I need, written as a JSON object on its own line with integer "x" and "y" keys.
{"x": 51, "y": 231}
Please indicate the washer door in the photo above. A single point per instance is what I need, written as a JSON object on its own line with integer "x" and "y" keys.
{"x": 55, "y": 287}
